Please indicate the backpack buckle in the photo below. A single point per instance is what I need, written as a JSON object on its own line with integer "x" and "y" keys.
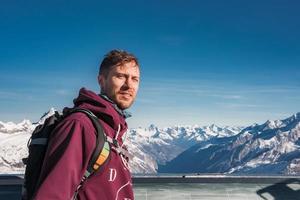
{"x": 115, "y": 142}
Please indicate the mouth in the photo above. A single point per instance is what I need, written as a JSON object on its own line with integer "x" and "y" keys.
{"x": 126, "y": 95}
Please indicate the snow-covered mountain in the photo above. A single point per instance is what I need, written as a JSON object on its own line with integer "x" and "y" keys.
{"x": 273, "y": 147}
{"x": 45, "y": 116}
{"x": 152, "y": 146}
{"x": 269, "y": 148}
{"x": 11, "y": 128}
{"x": 13, "y": 143}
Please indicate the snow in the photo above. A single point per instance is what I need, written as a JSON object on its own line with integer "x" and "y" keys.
{"x": 153, "y": 146}
{"x": 11, "y": 127}
{"x": 204, "y": 147}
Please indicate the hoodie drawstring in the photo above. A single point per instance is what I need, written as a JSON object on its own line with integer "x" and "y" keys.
{"x": 119, "y": 129}
{"x": 124, "y": 161}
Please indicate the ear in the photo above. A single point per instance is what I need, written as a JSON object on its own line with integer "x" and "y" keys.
{"x": 101, "y": 81}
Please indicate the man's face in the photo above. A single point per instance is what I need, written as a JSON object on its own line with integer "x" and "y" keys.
{"x": 121, "y": 84}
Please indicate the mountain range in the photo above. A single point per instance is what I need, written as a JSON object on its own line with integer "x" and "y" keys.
{"x": 269, "y": 148}
{"x": 272, "y": 147}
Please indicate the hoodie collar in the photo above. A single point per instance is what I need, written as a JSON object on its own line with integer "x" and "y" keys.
{"x": 102, "y": 108}
{"x": 124, "y": 113}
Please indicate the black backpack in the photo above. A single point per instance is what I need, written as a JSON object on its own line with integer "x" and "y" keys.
{"x": 38, "y": 143}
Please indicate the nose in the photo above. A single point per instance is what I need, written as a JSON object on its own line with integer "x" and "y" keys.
{"x": 129, "y": 82}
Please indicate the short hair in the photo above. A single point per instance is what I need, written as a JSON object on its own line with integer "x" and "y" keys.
{"x": 114, "y": 58}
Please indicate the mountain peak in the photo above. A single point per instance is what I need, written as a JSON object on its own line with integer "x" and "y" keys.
{"x": 214, "y": 128}
{"x": 11, "y": 127}
{"x": 297, "y": 115}
{"x": 293, "y": 118}
{"x": 270, "y": 124}
{"x": 152, "y": 127}
{"x": 46, "y": 115}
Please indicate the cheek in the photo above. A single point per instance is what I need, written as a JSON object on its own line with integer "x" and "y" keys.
{"x": 135, "y": 91}
{"x": 136, "y": 87}
{"x": 116, "y": 85}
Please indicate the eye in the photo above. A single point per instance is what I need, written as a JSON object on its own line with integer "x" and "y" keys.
{"x": 136, "y": 80}
{"x": 120, "y": 76}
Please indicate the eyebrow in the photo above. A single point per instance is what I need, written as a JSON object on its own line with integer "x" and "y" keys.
{"x": 120, "y": 73}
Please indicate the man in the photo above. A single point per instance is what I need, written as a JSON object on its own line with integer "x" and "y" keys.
{"x": 73, "y": 140}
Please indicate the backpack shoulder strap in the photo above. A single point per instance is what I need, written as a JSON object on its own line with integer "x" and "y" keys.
{"x": 102, "y": 150}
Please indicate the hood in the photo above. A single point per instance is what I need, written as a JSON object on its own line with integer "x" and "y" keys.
{"x": 102, "y": 108}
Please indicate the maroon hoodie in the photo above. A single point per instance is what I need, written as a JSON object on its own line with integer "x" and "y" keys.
{"x": 70, "y": 150}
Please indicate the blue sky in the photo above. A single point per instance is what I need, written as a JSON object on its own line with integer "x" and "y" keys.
{"x": 202, "y": 62}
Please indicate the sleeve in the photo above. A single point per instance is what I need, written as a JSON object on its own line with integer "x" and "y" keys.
{"x": 66, "y": 160}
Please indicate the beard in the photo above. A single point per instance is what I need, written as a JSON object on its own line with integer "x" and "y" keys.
{"x": 124, "y": 101}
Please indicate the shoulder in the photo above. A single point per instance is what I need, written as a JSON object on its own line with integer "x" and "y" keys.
{"x": 72, "y": 129}
{"x": 74, "y": 125}
{"x": 79, "y": 119}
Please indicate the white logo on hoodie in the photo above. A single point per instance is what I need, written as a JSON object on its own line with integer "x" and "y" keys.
{"x": 112, "y": 174}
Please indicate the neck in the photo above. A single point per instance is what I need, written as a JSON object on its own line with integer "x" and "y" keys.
{"x": 124, "y": 113}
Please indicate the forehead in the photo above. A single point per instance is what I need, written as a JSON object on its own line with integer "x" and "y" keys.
{"x": 130, "y": 68}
